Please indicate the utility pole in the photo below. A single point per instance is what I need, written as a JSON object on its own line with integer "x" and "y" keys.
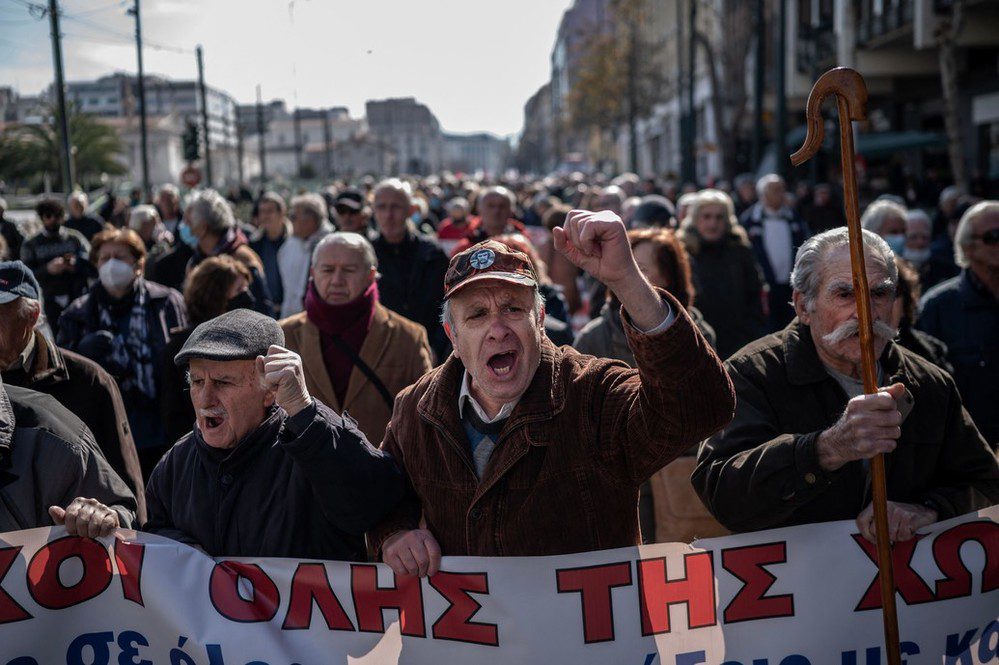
{"x": 680, "y": 103}
{"x": 297, "y": 124}
{"x": 204, "y": 115}
{"x": 633, "y": 92}
{"x": 239, "y": 151}
{"x": 691, "y": 108}
{"x": 758, "y": 80}
{"x": 261, "y": 136}
{"x": 144, "y": 141}
{"x": 68, "y": 175}
{"x": 327, "y": 139}
{"x": 780, "y": 132}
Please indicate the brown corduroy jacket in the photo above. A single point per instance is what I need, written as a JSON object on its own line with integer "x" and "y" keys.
{"x": 395, "y": 348}
{"x": 565, "y": 474}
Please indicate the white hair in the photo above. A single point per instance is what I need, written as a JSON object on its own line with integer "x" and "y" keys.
{"x": 806, "y": 277}
{"x": 354, "y": 241}
{"x": 3, "y": 203}
{"x": 314, "y": 204}
{"x": 140, "y": 215}
{"x": 395, "y": 185}
{"x": 878, "y": 212}
{"x": 917, "y": 216}
{"x": 171, "y": 191}
{"x": 78, "y": 197}
{"x": 456, "y": 202}
{"x": 709, "y": 197}
{"x": 964, "y": 233}
{"x": 448, "y": 320}
{"x": 766, "y": 181}
{"x": 210, "y": 209}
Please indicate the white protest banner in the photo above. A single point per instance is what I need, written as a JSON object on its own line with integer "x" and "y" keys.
{"x": 804, "y": 595}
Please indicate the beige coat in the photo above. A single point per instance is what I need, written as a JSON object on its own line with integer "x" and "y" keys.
{"x": 395, "y": 348}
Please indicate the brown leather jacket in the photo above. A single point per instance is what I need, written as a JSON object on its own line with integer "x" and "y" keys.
{"x": 395, "y": 348}
{"x": 566, "y": 471}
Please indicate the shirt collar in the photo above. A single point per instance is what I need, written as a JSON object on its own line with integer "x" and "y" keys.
{"x": 465, "y": 395}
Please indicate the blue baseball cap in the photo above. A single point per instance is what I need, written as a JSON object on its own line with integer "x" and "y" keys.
{"x": 16, "y": 281}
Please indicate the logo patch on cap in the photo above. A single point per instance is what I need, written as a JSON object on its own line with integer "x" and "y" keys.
{"x": 482, "y": 259}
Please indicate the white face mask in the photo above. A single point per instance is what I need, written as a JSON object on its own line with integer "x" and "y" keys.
{"x": 116, "y": 275}
{"x": 917, "y": 257}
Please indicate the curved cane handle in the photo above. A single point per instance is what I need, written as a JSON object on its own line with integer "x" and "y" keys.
{"x": 845, "y": 83}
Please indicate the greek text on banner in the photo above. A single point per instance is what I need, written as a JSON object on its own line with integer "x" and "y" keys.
{"x": 804, "y": 595}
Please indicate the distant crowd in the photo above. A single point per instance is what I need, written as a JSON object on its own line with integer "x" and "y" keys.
{"x": 104, "y": 301}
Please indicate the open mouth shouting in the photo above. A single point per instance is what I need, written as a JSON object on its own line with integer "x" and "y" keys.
{"x": 502, "y": 364}
{"x": 211, "y": 420}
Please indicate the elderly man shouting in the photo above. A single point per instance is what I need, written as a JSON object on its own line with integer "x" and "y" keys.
{"x": 515, "y": 447}
{"x": 268, "y": 470}
{"x": 799, "y": 447}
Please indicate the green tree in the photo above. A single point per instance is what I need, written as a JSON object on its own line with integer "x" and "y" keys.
{"x": 27, "y": 152}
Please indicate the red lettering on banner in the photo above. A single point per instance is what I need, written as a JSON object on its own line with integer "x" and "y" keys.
{"x": 908, "y": 583}
{"x": 370, "y": 600}
{"x": 696, "y": 589}
{"x": 45, "y": 585}
{"x": 10, "y": 610}
{"x": 947, "y": 554}
{"x": 454, "y": 624}
{"x": 751, "y": 602}
{"x": 310, "y": 583}
{"x": 594, "y": 584}
{"x": 224, "y": 592}
{"x": 128, "y": 557}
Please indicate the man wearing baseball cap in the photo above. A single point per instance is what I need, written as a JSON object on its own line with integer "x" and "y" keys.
{"x": 29, "y": 359}
{"x": 514, "y": 447}
{"x": 267, "y": 470}
{"x": 350, "y": 212}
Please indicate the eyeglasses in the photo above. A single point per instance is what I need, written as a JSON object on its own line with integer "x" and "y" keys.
{"x": 990, "y": 237}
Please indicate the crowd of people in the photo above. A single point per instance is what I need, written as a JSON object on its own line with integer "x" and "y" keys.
{"x": 411, "y": 368}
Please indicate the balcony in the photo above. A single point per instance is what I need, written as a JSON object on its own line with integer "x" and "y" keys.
{"x": 879, "y": 21}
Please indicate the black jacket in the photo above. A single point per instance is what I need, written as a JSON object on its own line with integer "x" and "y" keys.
{"x": 59, "y": 290}
{"x": 729, "y": 286}
{"x": 176, "y": 409}
{"x": 48, "y": 458}
{"x": 170, "y": 268}
{"x": 91, "y": 395}
{"x": 303, "y": 487}
{"x": 13, "y": 236}
{"x": 412, "y": 284}
{"x": 88, "y": 226}
{"x": 962, "y": 314}
{"x": 762, "y": 471}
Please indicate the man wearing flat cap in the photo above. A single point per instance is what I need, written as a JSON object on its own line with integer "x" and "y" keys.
{"x": 268, "y": 470}
{"x": 514, "y": 447}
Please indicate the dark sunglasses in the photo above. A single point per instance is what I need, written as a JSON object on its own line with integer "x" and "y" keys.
{"x": 990, "y": 237}
{"x": 345, "y": 210}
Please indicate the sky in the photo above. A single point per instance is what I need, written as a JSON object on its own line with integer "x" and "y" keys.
{"x": 473, "y": 63}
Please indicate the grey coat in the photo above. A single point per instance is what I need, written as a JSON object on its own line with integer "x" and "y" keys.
{"x": 48, "y": 457}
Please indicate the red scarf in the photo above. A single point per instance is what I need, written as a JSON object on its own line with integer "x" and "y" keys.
{"x": 350, "y": 322}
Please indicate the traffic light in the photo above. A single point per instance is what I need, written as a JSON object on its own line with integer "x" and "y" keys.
{"x": 192, "y": 142}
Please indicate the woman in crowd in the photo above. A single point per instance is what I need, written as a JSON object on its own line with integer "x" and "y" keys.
{"x": 123, "y": 324}
{"x": 668, "y": 508}
{"x": 217, "y": 285}
{"x": 728, "y": 279}
{"x": 556, "y": 311}
{"x": 663, "y": 260}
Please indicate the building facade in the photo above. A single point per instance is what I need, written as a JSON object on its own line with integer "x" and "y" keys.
{"x": 476, "y": 153}
{"x": 411, "y": 130}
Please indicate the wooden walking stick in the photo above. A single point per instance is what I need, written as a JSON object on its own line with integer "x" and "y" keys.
{"x": 851, "y": 101}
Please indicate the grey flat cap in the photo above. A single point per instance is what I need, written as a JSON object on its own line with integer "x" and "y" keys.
{"x": 241, "y": 334}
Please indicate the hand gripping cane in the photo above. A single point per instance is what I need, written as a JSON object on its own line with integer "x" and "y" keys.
{"x": 851, "y": 100}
